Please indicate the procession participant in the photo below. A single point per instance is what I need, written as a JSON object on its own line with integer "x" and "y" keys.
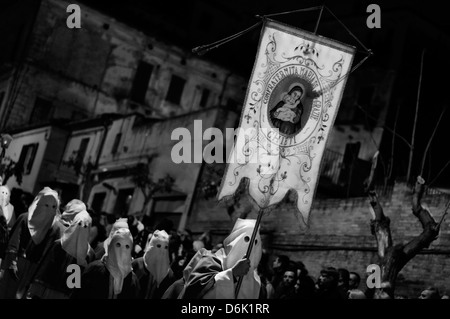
{"x": 31, "y": 236}
{"x": 6, "y": 207}
{"x": 72, "y": 248}
{"x": 153, "y": 269}
{"x": 7, "y": 219}
{"x": 71, "y": 209}
{"x": 111, "y": 277}
{"x": 215, "y": 275}
{"x": 119, "y": 223}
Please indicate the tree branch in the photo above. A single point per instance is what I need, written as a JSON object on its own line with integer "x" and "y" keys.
{"x": 380, "y": 225}
{"x": 429, "y": 225}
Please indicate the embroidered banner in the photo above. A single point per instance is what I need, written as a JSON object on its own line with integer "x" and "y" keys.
{"x": 291, "y": 103}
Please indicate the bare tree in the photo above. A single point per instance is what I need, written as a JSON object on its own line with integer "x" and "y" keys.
{"x": 83, "y": 170}
{"x": 142, "y": 178}
{"x": 394, "y": 257}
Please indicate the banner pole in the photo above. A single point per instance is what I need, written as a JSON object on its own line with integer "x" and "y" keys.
{"x": 249, "y": 250}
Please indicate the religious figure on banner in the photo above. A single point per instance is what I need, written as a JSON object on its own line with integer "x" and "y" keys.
{"x": 287, "y": 114}
{"x": 291, "y": 103}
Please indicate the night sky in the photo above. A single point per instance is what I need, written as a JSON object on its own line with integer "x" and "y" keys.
{"x": 190, "y": 24}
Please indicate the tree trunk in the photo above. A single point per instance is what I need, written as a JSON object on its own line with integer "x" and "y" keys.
{"x": 394, "y": 258}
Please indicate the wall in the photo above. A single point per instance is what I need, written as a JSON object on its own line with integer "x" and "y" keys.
{"x": 90, "y": 71}
{"x": 73, "y": 144}
{"x": 339, "y": 235}
{"x": 40, "y": 136}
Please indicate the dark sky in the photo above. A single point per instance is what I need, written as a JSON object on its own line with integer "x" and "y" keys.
{"x": 199, "y": 22}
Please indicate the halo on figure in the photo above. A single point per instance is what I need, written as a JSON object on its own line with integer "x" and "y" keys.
{"x": 301, "y": 85}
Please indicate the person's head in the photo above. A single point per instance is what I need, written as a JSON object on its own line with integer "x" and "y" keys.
{"x": 328, "y": 278}
{"x": 430, "y": 293}
{"x": 71, "y": 209}
{"x": 156, "y": 256}
{"x": 289, "y": 277}
{"x": 280, "y": 262}
{"x": 118, "y": 260}
{"x": 119, "y": 224}
{"x": 75, "y": 239}
{"x": 301, "y": 269}
{"x": 42, "y": 212}
{"x": 236, "y": 244}
{"x": 294, "y": 95}
{"x": 5, "y": 195}
{"x": 198, "y": 244}
{"x": 354, "y": 280}
{"x": 344, "y": 277}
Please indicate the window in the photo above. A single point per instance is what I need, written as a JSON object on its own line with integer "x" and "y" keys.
{"x": 167, "y": 209}
{"x": 42, "y": 111}
{"x": 116, "y": 143}
{"x": 175, "y": 89}
{"x": 140, "y": 83}
{"x": 123, "y": 201}
{"x": 205, "y": 96}
{"x": 82, "y": 149}
{"x": 27, "y": 156}
{"x": 97, "y": 202}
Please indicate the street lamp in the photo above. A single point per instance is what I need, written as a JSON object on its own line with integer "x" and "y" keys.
{"x": 5, "y": 140}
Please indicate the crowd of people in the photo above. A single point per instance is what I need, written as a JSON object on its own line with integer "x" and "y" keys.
{"x": 126, "y": 258}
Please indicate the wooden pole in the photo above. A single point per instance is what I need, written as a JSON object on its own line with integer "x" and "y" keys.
{"x": 249, "y": 250}
{"x": 411, "y": 149}
{"x": 430, "y": 140}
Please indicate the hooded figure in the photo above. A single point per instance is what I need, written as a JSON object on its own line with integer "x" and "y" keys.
{"x": 118, "y": 260}
{"x": 6, "y": 208}
{"x": 153, "y": 269}
{"x": 213, "y": 277}
{"x": 111, "y": 277}
{"x": 75, "y": 239}
{"x": 71, "y": 209}
{"x": 120, "y": 223}
{"x": 156, "y": 257}
{"x": 51, "y": 277}
{"x": 30, "y": 240}
{"x": 7, "y": 219}
{"x": 42, "y": 213}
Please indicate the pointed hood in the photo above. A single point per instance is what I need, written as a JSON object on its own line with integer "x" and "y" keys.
{"x": 72, "y": 208}
{"x": 156, "y": 256}
{"x": 75, "y": 239}
{"x": 236, "y": 244}
{"x": 42, "y": 213}
{"x": 118, "y": 224}
{"x": 118, "y": 261}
